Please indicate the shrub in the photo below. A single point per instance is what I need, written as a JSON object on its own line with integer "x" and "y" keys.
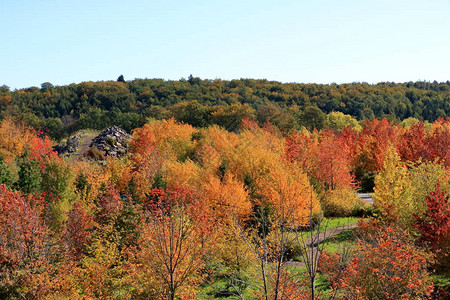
{"x": 95, "y": 153}
{"x": 386, "y": 265}
{"x": 342, "y": 203}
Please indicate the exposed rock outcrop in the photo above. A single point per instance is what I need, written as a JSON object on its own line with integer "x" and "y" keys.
{"x": 71, "y": 145}
{"x": 113, "y": 141}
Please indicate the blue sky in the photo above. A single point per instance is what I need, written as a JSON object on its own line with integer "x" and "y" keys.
{"x": 322, "y": 41}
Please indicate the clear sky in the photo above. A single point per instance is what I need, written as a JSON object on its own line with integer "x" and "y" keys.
{"x": 323, "y": 41}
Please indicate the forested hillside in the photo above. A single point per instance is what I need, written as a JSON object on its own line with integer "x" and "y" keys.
{"x": 64, "y": 109}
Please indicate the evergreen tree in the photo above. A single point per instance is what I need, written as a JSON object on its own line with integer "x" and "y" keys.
{"x": 121, "y": 79}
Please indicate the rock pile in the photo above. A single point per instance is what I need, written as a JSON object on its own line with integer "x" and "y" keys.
{"x": 70, "y": 146}
{"x": 113, "y": 141}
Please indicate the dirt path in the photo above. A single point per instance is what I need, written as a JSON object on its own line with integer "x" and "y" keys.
{"x": 316, "y": 240}
{"x": 84, "y": 147}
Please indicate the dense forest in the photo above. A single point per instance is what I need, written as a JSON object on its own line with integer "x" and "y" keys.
{"x": 60, "y": 110}
{"x": 207, "y": 213}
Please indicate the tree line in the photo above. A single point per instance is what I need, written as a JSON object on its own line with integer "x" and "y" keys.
{"x": 60, "y": 110}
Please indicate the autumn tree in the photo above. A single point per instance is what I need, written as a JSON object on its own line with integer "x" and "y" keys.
{"x": 25, "y": 248}
{"x": 392, "y": 197}
{"x": 438, "y": 142}
{"x": 226, "y": 199}
{"x": 337, "y": 120}
{"x": 174, "y": 243}
{"x": 333, "y": 163}
{"x": 102, "y": 273}
{"x": 413, "y": 144}
{"x": 434, "y": 224}
{"x": 77, "y": 235}
{"x": 14, "y": 138}
{"x": 372, "y": 145}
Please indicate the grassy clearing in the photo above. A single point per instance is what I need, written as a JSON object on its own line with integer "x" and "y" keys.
{"x": 226, "y": 287}
{"x": 328, "y": 224}
{"x": 340, "y": 221}
{"x": 343, "y": 239}
{"x": 83, "y": 133}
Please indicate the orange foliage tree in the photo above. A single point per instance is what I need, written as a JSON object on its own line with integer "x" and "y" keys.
{"x": 174, "y": 243}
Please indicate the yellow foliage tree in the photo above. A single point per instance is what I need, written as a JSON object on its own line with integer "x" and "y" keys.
{"x": 102, "y": 273}
{"x": 257, "y": 154}
{"x": 14, "y": 138}
{"x": 185, "y": 174}
{"x": 391, "y": 196}
{"x": 291, "y": 196}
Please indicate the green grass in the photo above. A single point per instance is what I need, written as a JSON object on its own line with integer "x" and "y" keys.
{"x": 220, "y": 288}
{"x": 343, "y": 239}
{"x": 340, "y": 221}
{"x": 332, "y": 244}
{"x": 329, "y": 223}
{"x": 83, "y": 133}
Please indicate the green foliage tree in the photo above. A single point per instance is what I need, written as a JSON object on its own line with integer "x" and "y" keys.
{"x": 312, "y": 117}
{"x": 29, "y": 174}
{"x": 150, "y": 97}
{"x": 55, "y": 183}
{"x": 191, "y": 112}
{"x": 6, "y": 174}
{"x": 230, "y": 117}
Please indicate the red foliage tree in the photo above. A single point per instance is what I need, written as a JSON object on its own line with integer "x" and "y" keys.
{"x": 434, "y": 225}
{"x": 333, "y": 166}
{"x": 300, "y": 147}
{"x": 41, "y": 147}
{"x": 142, "y": 142}
{"x": 24, "y": 247}
{"x": 438, "y": 142}
{"x": 373, "y": 142}
{"x": 109, "y": 205}
{"x": 385, "y": 265}
{"x": 247, "y": 124}
{"x": 77, "y": 234}
{"x": 412, "y": 144}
